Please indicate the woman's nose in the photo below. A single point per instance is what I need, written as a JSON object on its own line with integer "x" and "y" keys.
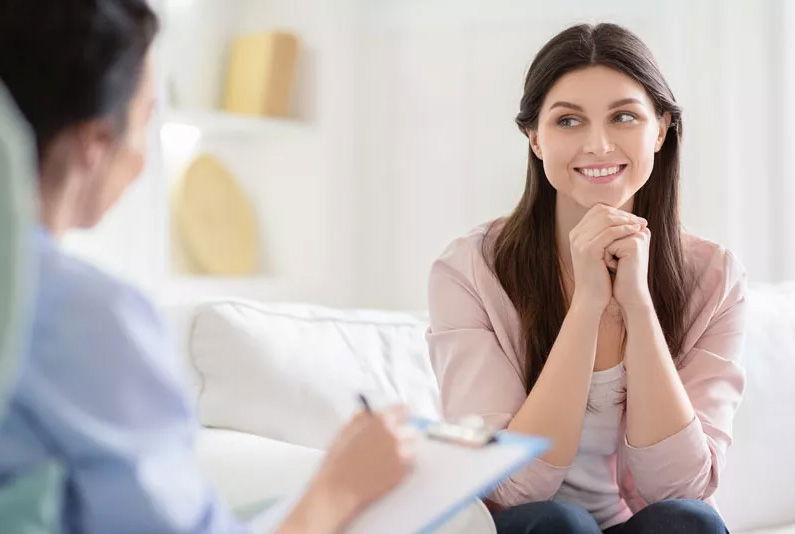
{"x": 598, "y": 142}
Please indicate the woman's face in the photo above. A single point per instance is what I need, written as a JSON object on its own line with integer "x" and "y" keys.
{"x": 124, "y": 157}
{"x": 597, "y": 135}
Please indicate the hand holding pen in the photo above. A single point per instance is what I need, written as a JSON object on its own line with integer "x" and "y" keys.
{"x": 369, "y": 457}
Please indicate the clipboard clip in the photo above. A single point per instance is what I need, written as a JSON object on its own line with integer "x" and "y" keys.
{"x": 469, "y": 431}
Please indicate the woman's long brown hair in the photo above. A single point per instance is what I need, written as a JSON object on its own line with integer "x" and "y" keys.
{"x": 524, "y": 253}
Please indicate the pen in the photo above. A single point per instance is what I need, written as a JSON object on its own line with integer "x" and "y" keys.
{"x": 365, "y": 404}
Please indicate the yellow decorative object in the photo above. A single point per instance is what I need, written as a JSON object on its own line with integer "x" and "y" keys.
{"x": 215, "y": 219}
{"x": 261, "y": 74}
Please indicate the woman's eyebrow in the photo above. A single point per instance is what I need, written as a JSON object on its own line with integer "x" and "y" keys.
{"x": 563, "y": 104}
{"x": 624, "y": 102}
{"x": 616, "y": 104}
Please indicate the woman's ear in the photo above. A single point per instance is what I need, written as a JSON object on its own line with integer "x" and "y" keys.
{"x": 534, "y": 146}
{"x": 94, "y": 141}
{"x": 664, "y": 123}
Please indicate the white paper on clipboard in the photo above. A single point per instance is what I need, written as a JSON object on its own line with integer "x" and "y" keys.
{"x": 446, "y": 478}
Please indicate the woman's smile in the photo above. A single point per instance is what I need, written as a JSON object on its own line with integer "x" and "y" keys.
{"x": 602, "y": 173}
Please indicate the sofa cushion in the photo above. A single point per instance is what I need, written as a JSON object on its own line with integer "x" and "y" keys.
{"x": 293, "y": 372}
{"x": 755, "y": 489}
{"x": 248, "y": 469}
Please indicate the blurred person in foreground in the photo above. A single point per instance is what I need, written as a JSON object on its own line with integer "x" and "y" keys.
{"x": 100, "y": 390}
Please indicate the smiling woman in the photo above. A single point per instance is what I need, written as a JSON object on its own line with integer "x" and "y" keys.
{"x": 584, "y": 136}
{"x": 588, "y": 315}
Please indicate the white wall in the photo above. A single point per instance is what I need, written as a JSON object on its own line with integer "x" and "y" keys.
{"x": 440, "y": 88}
{"x": 407, "y": 136}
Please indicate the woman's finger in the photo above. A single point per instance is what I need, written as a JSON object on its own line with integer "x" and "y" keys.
{"x": 624, "y": 246}
{"x": 601, "y": 217}
{"x": 611, "y": 234}
{"x": 395, "y": 415}
{"x": 610, "y": 261}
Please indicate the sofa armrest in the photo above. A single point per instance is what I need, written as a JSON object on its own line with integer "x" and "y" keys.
{"x": 248, "y": 469}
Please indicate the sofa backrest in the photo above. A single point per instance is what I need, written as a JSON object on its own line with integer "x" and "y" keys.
{"x": 756, "y": 485}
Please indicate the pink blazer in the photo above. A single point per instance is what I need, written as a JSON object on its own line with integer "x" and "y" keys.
{"x": 477, "y": 351}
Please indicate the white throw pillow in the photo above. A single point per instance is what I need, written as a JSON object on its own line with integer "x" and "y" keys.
{"x": 756, "y": 485}
{"x": 293, "y": 372}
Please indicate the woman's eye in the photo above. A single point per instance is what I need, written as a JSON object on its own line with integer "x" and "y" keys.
{"x": 568, "y": 122}
{"x": 624, "y": 117}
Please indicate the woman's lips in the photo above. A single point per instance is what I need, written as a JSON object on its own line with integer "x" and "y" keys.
{"x": 594, "y": 175}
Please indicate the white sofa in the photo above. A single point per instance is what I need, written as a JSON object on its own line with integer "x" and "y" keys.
{"x": 274, "y": 382}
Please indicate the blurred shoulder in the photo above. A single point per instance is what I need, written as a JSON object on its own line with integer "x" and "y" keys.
{"x": 714, "y": 268}
{"x": 79, "y": 303}
{"x": 471, "y": 254}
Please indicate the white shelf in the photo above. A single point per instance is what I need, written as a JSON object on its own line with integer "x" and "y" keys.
{"x": 217, "y": 122}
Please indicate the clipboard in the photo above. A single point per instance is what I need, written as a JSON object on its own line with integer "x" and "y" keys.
{"x": 455, "y": 465}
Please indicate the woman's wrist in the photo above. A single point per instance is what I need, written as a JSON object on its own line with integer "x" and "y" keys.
{"x": 637, "y": 312}
{"x": 643, "y": 330}
{"x": 586, "y": 308}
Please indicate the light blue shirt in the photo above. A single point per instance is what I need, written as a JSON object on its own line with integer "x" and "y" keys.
{"x": 100, "y": 391}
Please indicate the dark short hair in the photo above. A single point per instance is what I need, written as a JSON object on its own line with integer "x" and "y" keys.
{"x": 69, "y": 61}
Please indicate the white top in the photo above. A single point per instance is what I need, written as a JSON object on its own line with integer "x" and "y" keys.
{"x": 591, "y": 480}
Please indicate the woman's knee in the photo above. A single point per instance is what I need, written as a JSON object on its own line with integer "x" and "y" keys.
{"x": 678, "y": 516}
{"x": 546, "y": 517}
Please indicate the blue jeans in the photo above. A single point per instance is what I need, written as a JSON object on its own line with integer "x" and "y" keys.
{"x": 676, "y": 516}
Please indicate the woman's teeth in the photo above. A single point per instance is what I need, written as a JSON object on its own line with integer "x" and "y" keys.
{"x": 607, "y": 171}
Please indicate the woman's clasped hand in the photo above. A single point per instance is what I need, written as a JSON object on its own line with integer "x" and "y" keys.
{"x": 610, "y": 258}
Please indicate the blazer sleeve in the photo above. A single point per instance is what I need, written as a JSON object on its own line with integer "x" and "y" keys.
{"x": 476, "y": 376}
{"x": 688, "y": 464}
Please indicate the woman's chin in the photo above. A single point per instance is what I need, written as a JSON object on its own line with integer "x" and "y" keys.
{"x": 591, "y": 200}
